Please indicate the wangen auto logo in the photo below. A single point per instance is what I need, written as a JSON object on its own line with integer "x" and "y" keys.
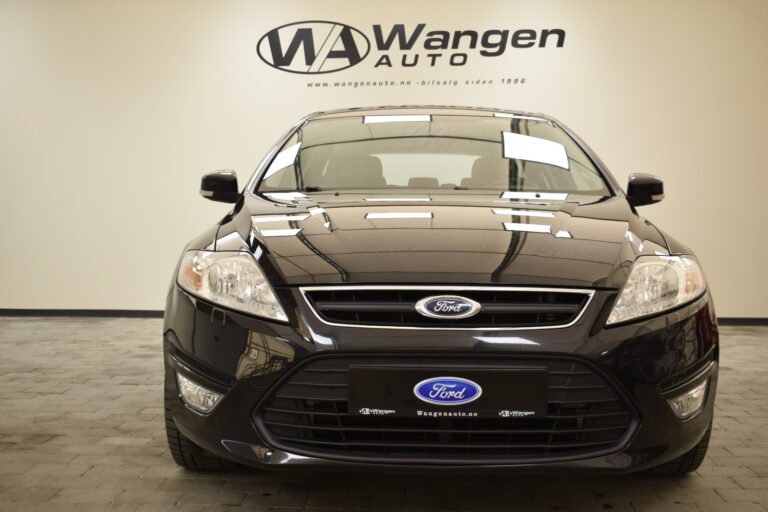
{"x": 316, "y": 47}
{"x": 447, "y": 307}
{"x": 447, "y": 391}
{"x": 313, "y": 47}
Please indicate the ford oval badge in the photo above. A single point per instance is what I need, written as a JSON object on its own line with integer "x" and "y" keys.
{"x": 447, "y": 391}
{"x": 447, "y": 307}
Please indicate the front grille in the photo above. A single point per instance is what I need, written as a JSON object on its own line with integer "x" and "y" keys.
{"x": 308, "y": 414}
{"x": 500, "y": 307}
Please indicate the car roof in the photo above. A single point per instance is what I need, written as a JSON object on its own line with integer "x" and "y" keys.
{"x": 445, "y": 110}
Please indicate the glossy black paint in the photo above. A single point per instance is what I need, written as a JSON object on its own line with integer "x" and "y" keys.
{"x": 220, "y": 186}
{"x": 464, "y": 244}
{"x": 644, "y": 189}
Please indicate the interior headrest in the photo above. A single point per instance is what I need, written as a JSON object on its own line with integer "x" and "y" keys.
{"x": 490, "y": 172}
{"x": 423, "y": 183}
{"x": 354, "y": 171}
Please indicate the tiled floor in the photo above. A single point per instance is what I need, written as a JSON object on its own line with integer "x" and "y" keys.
{"x": 81, "y": 428}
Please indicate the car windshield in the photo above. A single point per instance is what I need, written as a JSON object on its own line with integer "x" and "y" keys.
{"x": 438, "y": 153}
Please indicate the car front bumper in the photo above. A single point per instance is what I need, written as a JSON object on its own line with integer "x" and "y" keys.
{"x": 245, "y": 358}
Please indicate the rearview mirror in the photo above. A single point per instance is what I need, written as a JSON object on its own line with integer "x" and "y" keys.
{"x": 644, "y": 189}
{"x": 220, "y": 186}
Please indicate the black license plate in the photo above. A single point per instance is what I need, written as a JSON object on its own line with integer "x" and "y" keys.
{"x": 447, "y": 392}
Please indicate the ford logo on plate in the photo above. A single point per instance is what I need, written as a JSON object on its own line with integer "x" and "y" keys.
{"x": 447, "y": 391}
{"x": 447, "y": 307}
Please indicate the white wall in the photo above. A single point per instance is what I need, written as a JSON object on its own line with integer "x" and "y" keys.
{"x": 111, "y": 111}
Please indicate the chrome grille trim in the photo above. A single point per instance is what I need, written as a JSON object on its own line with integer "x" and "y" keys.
{"x": 443, "y": 288}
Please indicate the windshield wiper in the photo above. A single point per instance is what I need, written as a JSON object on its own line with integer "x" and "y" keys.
{"x": 314, "y": 188}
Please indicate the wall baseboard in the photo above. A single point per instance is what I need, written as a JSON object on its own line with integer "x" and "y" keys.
{"x": 742, "y": 321}
{"x": 152, "y": 313}
{"x": 98, "y": 313}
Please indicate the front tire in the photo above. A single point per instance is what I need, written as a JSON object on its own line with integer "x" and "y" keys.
{"x": 689, "y": 461}
{"x": 186, "y": 453}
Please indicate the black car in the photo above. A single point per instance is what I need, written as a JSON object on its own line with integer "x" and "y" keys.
{"x": 438, "y": 288}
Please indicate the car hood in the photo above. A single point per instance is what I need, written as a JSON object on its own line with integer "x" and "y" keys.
{"x": 358, "y": 239}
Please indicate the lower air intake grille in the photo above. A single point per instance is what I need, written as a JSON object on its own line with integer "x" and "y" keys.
{"x": 308, "y": 414}
{"x": 500, "y": 307}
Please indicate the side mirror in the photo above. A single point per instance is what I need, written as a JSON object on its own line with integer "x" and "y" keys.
{"x": 220, "y": 186}
{"x": 644, "y": 189}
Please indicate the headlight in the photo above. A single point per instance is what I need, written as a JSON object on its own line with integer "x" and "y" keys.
{"x": 231, "y": 279}
{"x": 658, "y": 283}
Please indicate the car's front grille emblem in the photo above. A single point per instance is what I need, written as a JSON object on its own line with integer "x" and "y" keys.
{"x": 447, "y": 307}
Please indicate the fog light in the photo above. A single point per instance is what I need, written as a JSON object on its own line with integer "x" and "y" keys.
{"x": 196, "y": 396}
{"x": 690, "y": 402}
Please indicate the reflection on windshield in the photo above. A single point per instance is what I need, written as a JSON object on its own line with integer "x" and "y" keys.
{"x": 398, "y": 215}
{"x": 384, "y": 154}
{"x": 285, "y": 158}
{"x": 534, "y": 149}
{"x": 397, "y": 199}
{"x": 396, "y": 119}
